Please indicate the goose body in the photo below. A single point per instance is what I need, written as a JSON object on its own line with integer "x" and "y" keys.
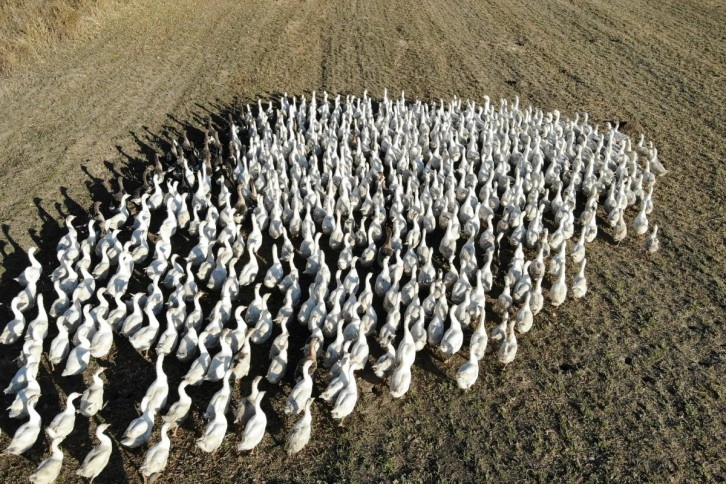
{"x": 157, "y": 456}
{"x": 27, "y": 434}
{"x": 139, "y": 430}
{"x": 97, "y": 459}
{"x": 301, "y": 393}
{"x": 179, "y": 410}
{"x": 92, "y": 398}
{"x": 255, "y": 427}
{"x": 79, "y": 356}
{"x": 468, "y": 373}
{"x": 48, "y": 470}
{"x": 299, "y": 435}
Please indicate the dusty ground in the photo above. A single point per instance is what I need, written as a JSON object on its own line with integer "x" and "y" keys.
{"x": 625, "y": 385}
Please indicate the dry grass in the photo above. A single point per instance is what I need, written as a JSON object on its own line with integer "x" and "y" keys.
{"x": 30, "y": 28}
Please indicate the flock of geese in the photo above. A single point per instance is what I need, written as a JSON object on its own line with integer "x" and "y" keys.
{"x": 443, "y": 219}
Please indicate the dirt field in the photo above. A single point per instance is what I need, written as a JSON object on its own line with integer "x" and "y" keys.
{"x": 626, "y": 384}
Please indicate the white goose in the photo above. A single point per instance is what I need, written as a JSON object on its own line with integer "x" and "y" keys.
{"x": 157, "y": 456}
{"x": 48, "y": 470}
{"x": 139, "y": 430}
{"x": 63, "y": 423}
{"x": 97, "y": 459}
{"x": 179, "y": 410}
{"x": 92, "y": 399}
{"x": 27, "y": 434}
{"x": 299, "y": 435}
{"x": 255, "y": 427}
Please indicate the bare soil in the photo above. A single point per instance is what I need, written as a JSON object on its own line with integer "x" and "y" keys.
{"x": 626, "y": 384}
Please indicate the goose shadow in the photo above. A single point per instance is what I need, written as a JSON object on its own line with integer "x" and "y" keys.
{"x": 15, "y": 260}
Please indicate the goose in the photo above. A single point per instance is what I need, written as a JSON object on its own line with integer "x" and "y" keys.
{"x": 335, "y": 348}
{"x": 60, "y": 346}
{"x": 195, "y": 318}
{"x": 27, "y": 434}
{"x": 25, "y": 299}
{"x": 504, "y": 301}
{"x": 652, "y": 244}
{"x": 453, "y": 338}
{"x": 144, "y": 337}
{"x": 168, "y": 339}
{"x": 60, "y": 305}
{"x": 499, "y": 332}
{"x": 467, "y": 374}
{"x": 178, "y": 411}
{"x": 255, "y": 427}
{"x": 37, "y": 329}
{"x": 386, "y": 362}
{"x": 536, "y": 299}
{"x": 400, "y": 380}
{"x": 301, "y": 393}
{"x": 139, "y": 430}
{"x": 220, "y": 400}
{"x": 435, "y": 329}
{"x": 524, "y": 317}
{"x": 21, "y": 379}
{"x": 235, "y": 337}
{"x": 275, "y": 273}
{"x": 101, "y": 270}
{"x": 154, "y": 298}
{"x": 102, "y": 340}
{"x": 254, "y": 240}
{"x": 278, "y": 367}
{"x": 70, "y": 238}
{"x": 578, "y": 252}
{"x": 79, "y": 356}
{"x": 338, "y": 378}
{"x": 263, "y": 327}
{"x": 406, "y": 353}
{"x": 249, "y": 272}
{"x": 246, "y": 408}
{"x": 558, "y": 291}
{"x": 62, "y": 424}
{"x": 119, "y": 219}
{"x": 579, "y": 283}
{"x": 157, "y": 456}
{"x": 299, "y": 435}
{"x": 243, "y": 358}
{"x": 188, "y": 345}
{"x": 133, "y": 321}
{"x": 199, "y": 367}
{"x": 620, "y": 228}
{"x": 418, "y": 329}
{"x": 346, "y": 399}
{"x": 640, "y": 223}
{"x": 360, "y": 350}
{"x": 222, "y": 360}
{"x": 31, "y": 352}
{"x": 48, "y": 470}
{"x": 558, "y": 260}
{"x": 119, "y": 282}
{"x": 508, "y": 348}
{"x": 97, "y": 459}
{"x": 19, "y": 407}
{"x": 31, "y": 274}
{"x": 479, "y": 339}
{"x": 447, "y": 246}
{"x": 92, "y": 398}
{"x": 158, "y": 391}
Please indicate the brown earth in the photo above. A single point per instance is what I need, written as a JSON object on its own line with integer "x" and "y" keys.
{"x": 624, "y": 385}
